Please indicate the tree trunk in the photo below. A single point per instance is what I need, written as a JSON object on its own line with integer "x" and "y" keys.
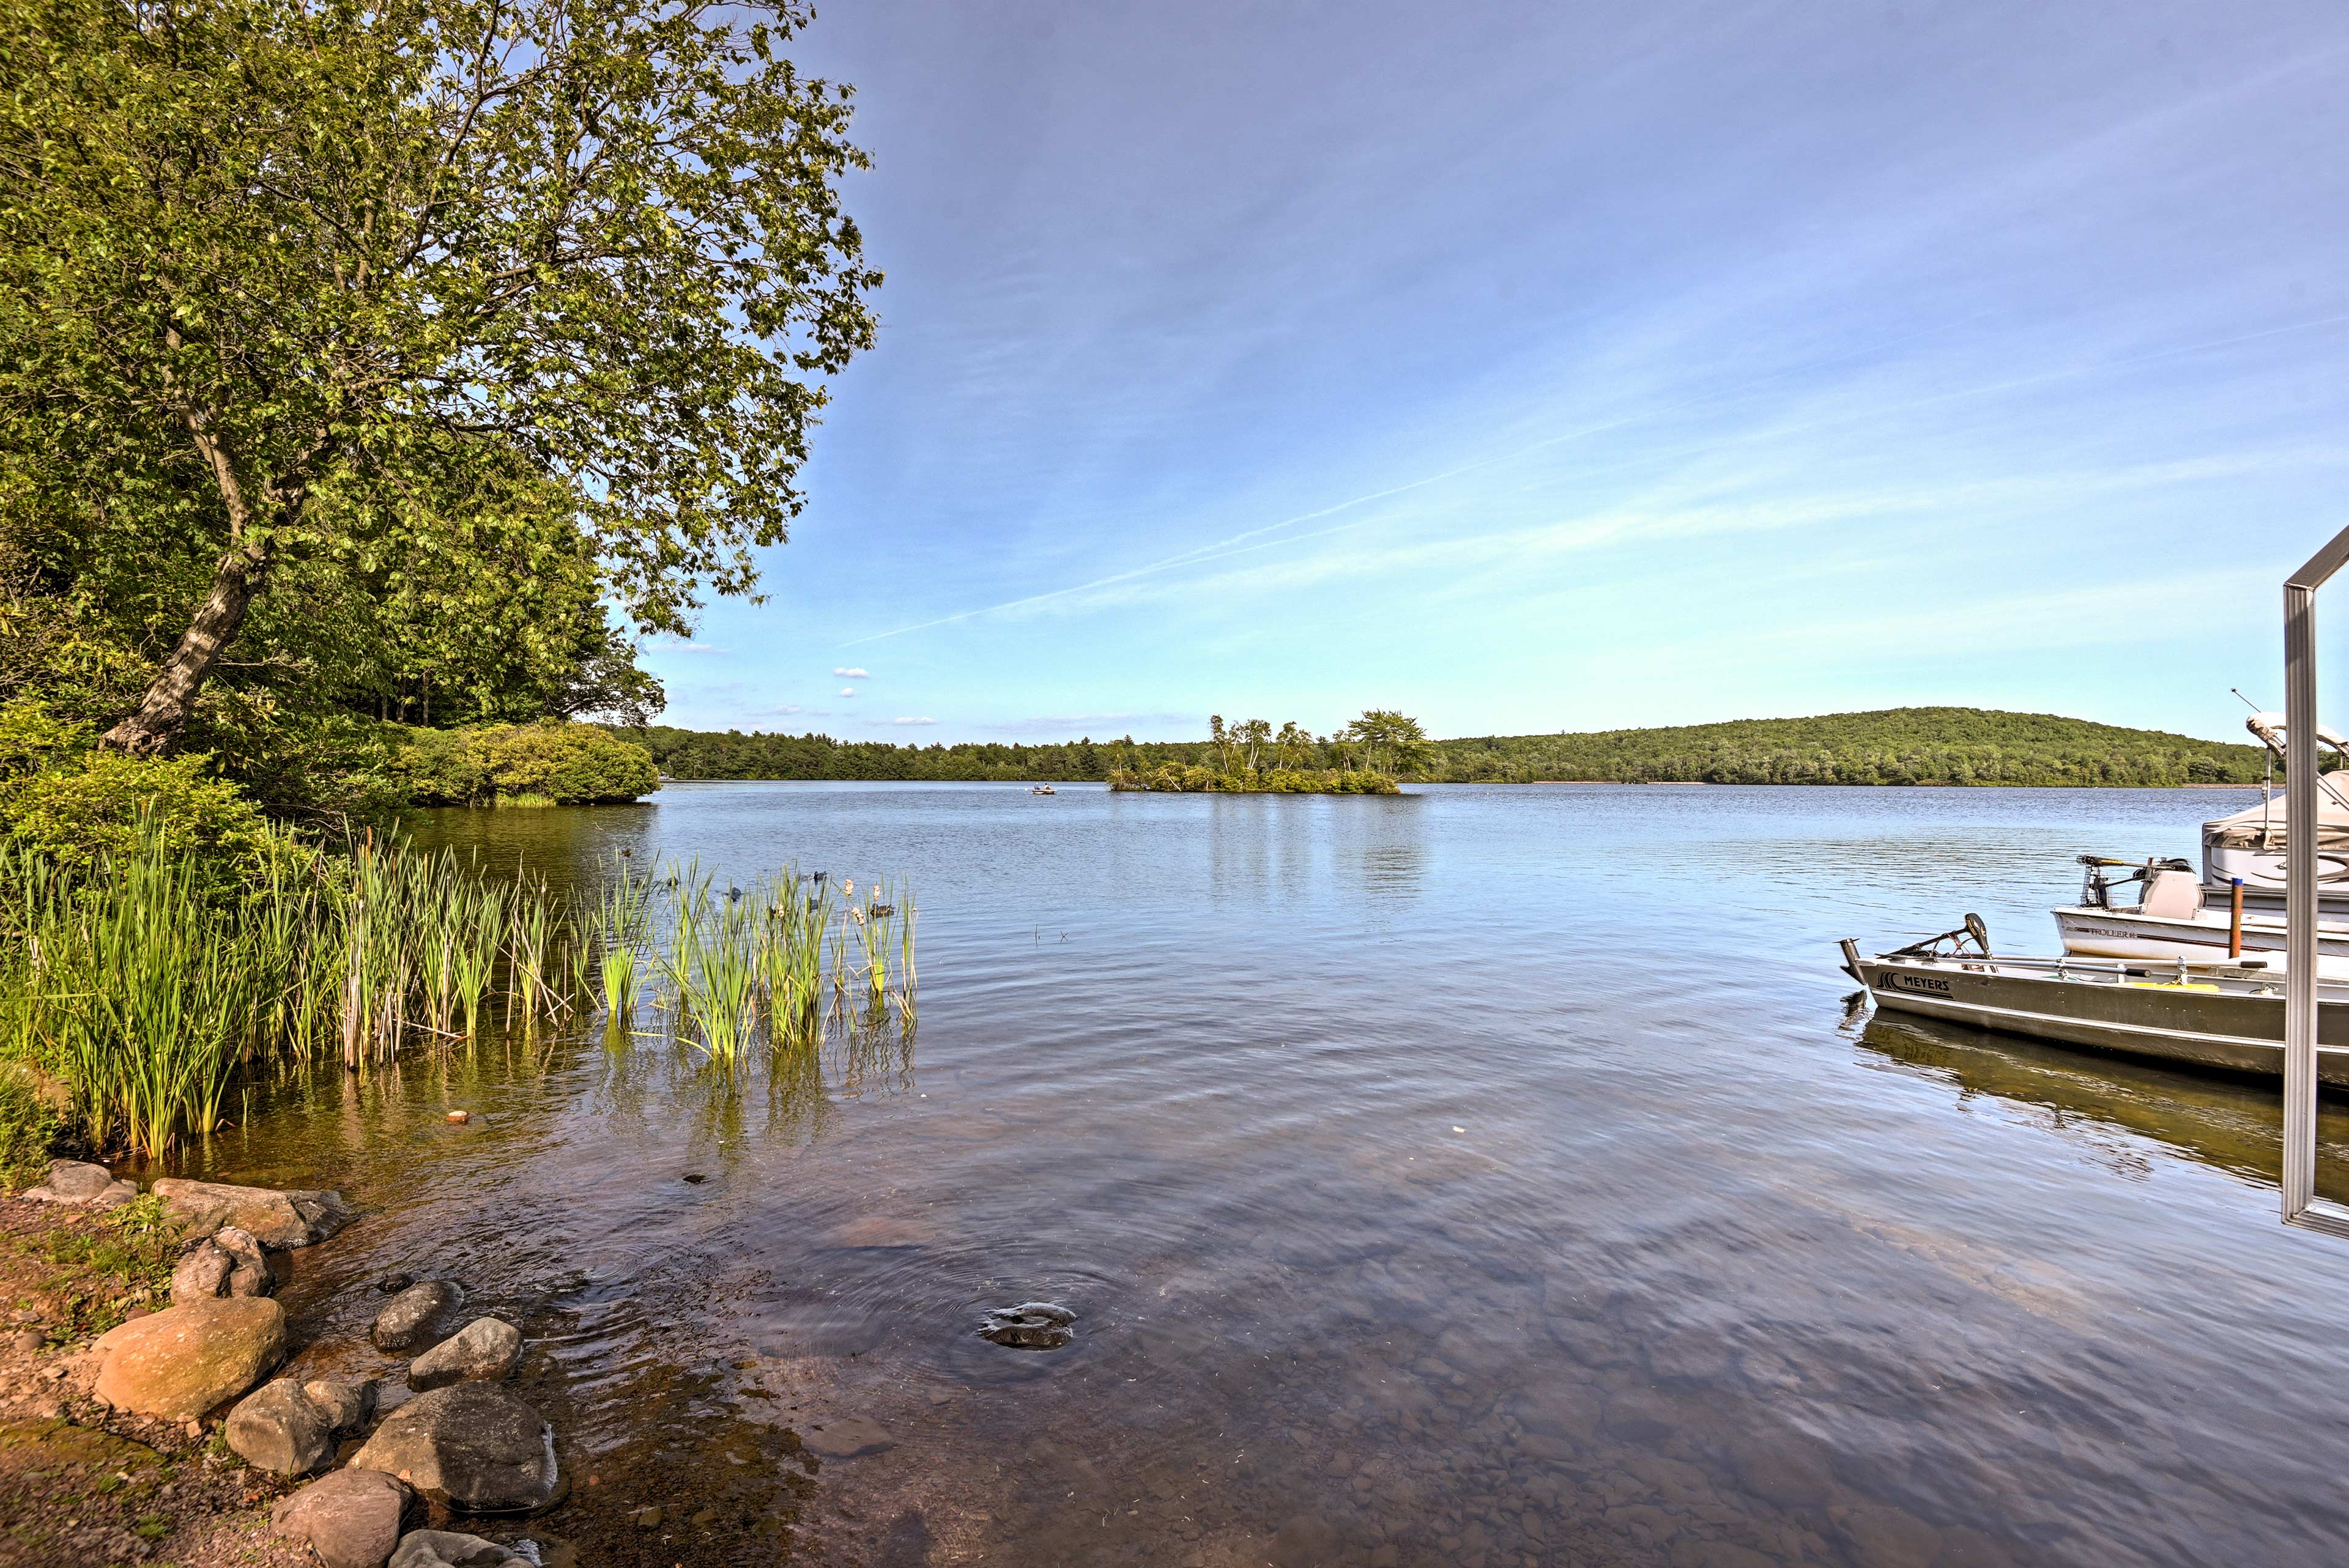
{"x": 163, "y": 712}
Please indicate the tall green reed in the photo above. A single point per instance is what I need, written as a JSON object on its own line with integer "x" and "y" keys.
{"x": 142, "y": 986}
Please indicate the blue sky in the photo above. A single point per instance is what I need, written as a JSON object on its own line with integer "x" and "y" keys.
{"x": 1564, "y": 367}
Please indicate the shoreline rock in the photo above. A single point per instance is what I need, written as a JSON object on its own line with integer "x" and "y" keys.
{"x": 408, "y": 1319}
{"x": 470, "y": 1446}
{"x": 348, "y": 1405}
{"x": 351, "y": 1519}
{"x": 83, "y": 1185}
{"x": 486, "y": 1350}
{"x": 451, "y": 1549}
{"x": 228, "y": 1262}
{"x": 180, "y": 1362}
{"x": 278, "y": 1428}
{"x": 279, "y": 1220}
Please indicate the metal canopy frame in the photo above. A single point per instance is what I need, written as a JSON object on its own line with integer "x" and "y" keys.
{"x": 2302, "y": 1206}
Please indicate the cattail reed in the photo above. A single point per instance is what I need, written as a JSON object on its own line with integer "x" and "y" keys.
{"x": 143, "y": 989}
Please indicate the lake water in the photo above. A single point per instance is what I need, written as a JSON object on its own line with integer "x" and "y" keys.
{"x": 1484, "y": 1176}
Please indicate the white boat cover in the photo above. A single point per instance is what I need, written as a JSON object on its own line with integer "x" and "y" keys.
{"x": 2261, "y": 826}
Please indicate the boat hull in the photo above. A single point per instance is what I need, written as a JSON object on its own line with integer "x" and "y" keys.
{"x": 2239, "y": 1031}
{"x": 2126, "y": 933}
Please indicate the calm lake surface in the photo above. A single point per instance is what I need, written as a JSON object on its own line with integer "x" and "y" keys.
{"x": 1484, "y": 1176}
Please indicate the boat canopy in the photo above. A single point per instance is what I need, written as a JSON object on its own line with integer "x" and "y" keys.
{"x": 2260, "y": 827}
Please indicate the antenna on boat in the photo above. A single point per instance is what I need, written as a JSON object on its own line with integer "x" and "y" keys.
{"x": 2247, "y": 702}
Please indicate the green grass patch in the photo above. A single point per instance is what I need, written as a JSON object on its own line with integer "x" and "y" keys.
{"x": 110, "y": 1264}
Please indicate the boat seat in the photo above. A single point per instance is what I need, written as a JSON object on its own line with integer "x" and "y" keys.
{"x": 2172, "y": 895}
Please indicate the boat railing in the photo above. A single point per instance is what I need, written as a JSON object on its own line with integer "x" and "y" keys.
{"x": 2118, "y": 971}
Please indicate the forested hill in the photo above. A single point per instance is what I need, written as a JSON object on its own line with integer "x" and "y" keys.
{"x": 1895, "y": 746}
{"x": 1891, "y": 745}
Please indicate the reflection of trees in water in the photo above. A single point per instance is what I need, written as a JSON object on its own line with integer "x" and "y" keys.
{"x": 794, "y": 1078}
{"x": 2101, "y": 1102}
{"x": 1268, "y": 845}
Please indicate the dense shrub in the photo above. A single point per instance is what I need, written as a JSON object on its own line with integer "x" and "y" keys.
{"x": 556, "y": 763}
{"x": 72, "y": 804}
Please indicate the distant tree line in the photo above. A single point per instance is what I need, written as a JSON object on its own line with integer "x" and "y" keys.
{"x": 1896, "y": 745}
{"x": 1378, "y": 742}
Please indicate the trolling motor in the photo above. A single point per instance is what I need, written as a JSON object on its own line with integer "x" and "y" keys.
{"x": 1973, "y": 931}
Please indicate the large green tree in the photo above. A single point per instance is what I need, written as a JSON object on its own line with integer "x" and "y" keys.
{"x": 318, "y": 287}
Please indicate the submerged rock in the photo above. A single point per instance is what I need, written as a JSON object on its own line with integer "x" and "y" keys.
{"x": 470, "y": 1446}
{"x": 449, "y": 1549}
{"x": 849, "y": 1437}
{"x": 393, "y": 1284}
{"x": 78, "y": 1183}
{"x": 279, "y": 1429}
{"x": 485, "y": 1350}
{"x": 273, "y": 1219}
{"x": 408, "y": 1319}
{"x": 350, "y": 1518}
{"x": 1030, "y": 1326}
{"x": 180, "y": 1362}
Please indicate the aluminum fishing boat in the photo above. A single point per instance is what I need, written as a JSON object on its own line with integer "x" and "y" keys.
{"x": 2217, "y": 1013}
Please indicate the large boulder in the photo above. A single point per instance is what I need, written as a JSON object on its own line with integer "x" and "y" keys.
{"x": 411, "y": 1317}
{"x": 449, "y": 1549}
{"x": 485, "y": 1350}
{"x": 78, "y": 1183}
{"x": 228, "y": 1262}
{"x": 180, "y": 1362}
{"x": 275, "y": 1218}
{"x": 350, "y": 1518}
{"x": 469, "y": 1446}
{"x": 279, "y": 1429}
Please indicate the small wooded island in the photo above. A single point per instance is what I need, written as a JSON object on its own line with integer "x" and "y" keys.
{"x": 1249, "y": 758}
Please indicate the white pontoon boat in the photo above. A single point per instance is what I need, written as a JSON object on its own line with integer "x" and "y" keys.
{"x": 2172, "y": 917}
{"x": 2237, "y": 906}
{"x": 2249, "y": 846}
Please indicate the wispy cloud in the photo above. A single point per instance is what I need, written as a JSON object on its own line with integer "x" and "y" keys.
{"x": 1662, "y": 516}
{"x": 853, "y": 674}
{"x": 924, "y": 720}
{"x": 786, "y": 710}
{"x": 848, "y": 691}
{"x": 1051, "y": 721}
